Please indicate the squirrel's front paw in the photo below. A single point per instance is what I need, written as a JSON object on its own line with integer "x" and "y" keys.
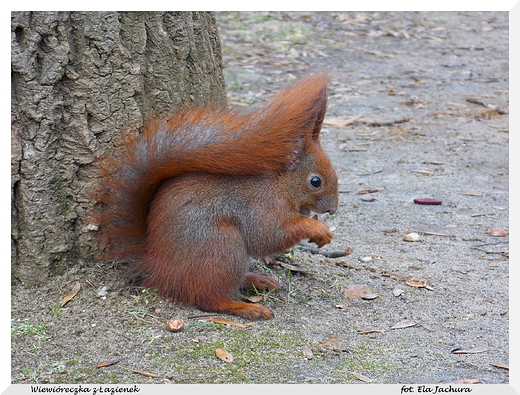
{"x": 321, "y": 235}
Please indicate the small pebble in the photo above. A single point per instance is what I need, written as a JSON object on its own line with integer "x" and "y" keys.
{"x": 411, "y": 237}
{"x": 368, "y": 198}
{"x": 365, "y": 259}
{"x": 103, "y": 291}
{"x": 499, "y": 232}
{"x": 307, "y": 352}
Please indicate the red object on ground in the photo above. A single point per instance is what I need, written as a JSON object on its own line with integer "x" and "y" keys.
{"x": 434, "y": 202}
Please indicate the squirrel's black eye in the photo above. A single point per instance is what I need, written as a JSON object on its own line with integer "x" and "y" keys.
{"x": 315, "y": 182}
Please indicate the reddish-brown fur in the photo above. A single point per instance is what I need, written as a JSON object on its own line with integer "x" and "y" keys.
{"x": 194, "y": 197}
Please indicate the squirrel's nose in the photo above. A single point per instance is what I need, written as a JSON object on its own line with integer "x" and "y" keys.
{"x": 332, "y": 210}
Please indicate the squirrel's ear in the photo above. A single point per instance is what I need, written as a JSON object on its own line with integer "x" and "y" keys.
{"x": 319, "y": 110}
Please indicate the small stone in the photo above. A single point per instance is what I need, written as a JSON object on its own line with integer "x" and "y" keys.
{"x": 411, "y": 237}
{"x": 307, "y": 352}
{"x": 498, "y": 232}
{"x": 103, "y": 291}
{"x": 366, "y": 259}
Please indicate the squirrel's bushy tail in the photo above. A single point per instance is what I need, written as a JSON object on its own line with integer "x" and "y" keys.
{"x": 201, "y": 140}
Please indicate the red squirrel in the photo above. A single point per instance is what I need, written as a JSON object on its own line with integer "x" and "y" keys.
{"x": 195, "y": 196}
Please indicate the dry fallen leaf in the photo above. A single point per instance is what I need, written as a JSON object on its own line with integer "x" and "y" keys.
{"x": 415, "y": 282}
{"x": 307, "y": 352}
{"x": 74, "y": 292}
{"x": 292, "y": 268}
{"x": 404, "y": 324}
{"x": 224, "y": 355}
{"x": 175, "y": 325}
{"x": 356, "y": 291}
{"x": 361, "y": 377}
{"x": 109, "y": 362}
{"x": 418, "y": 283}
{"x": 252, "y": 298}
{"x": 224, "y": 321}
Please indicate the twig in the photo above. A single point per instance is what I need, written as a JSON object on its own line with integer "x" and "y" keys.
{"x": 191, "y": 378}
{"x": 504, "y": 253}
{"x": 433, "y": 233}
{"x": 328, "y": 254}
{"x": 369, "y": 122}
{"x": 144, "y": 373}
{"x": 372, "y": 331}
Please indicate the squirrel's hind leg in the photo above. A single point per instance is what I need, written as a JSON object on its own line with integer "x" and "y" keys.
{"x": 222, "y": 273}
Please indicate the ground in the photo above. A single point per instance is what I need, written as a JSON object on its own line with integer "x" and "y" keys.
{"x": 418, "y": 108}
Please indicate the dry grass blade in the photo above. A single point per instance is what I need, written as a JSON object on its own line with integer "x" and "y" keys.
{"x": 472, "y": 351}
{"x": 433, "y": 233}
{"x": 292, "y": 268}
{"x": 144, "y": 373}
{"x": 74, "y": 292}
{"x": 426, "y": 172}
{"x": 404, "y": 324}
{"x": 361, "y": 377}
{"x": 224, "y": 321}
{"x": 342, "y": 122}
{"x": 372, "y": 331}
{"x": 365, "y": 191}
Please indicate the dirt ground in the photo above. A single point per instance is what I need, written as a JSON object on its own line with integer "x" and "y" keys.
{"x": 418, "y": 109}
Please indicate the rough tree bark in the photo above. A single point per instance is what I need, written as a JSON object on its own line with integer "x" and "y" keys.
{"x": 77, "y": 80}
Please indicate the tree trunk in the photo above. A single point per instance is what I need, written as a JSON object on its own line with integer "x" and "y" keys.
{"x": 77, "y": 80}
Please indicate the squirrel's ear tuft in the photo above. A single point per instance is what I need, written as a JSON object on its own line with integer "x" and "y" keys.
{"x": 318, "y": 112}
{"x": 305, "y": 101}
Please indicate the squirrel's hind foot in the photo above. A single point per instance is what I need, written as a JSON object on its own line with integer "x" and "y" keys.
{"x": 245, "y": 310}
{"x": 261, "y": 281}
